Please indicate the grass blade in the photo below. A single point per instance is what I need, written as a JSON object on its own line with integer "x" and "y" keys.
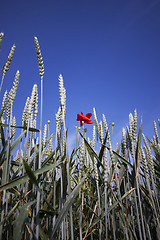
{"x": 91, "y": 152}
{"x": 66, "y": 206}
{"x": 25, "y": 127}
{"x": 25, "y": 178}
{"x": 15, "y": 143}
{"x": 111, "y": 207}
{"x": 20, "y": 221}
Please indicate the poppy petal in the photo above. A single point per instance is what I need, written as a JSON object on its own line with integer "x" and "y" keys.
{"x": 89, "y": 121}
{"x": 88, "y": 115}
{"x": 79, "y": 117}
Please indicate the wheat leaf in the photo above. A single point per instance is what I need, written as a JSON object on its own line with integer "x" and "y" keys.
{"x": 67, "y": 206}
{"x": 25, "y": 178}
{"x": 21, "y": 219}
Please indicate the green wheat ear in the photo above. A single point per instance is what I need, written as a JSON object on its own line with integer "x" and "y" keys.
{"x": 12, "y": 94}
{"x": 14, "y": 129}
{"x": 44, "y": 136}
{"x": 135, "y": 126}
{"x": 149, "y": 156}
{"x": 34, "y": 101}
{"x": 4, "y": 102}
{"x": 105, "y": 123}
{"x": 7, "y": 64}
{"x": 1, "y": 37}
{"x": 95, "y": 119}
{"x": 81, "y": 158}
{"x": 144, "y": 163}
{"x": 100, "y": 127}
{"x": 124, "y": 142}
{"x": 94, "y": 137}
{"x": 39, "y": 57}
{"x": 58, "y": 118}
{"x": 62, "y": 92}
{"x": 131, "y": 122}
{"x": 25, "y": 115}
{"x": 156, "y": 132}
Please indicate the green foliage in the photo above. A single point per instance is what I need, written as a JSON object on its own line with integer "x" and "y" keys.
{"x": 21, "y": 219}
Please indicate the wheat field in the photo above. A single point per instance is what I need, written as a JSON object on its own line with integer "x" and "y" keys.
{"x": 92, "y": 193}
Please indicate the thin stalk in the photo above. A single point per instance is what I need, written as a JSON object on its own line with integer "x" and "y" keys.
{"x": 149, "y": 234}
{"x": 99, "y": 213}
{"x": 69, "y": 191}
{"x": 80, "y": 210}
{"x": 61, "y": 194}
{"x": 154, "y": 207}
{"x": 106, "y": 214}
{"x": 25, "y": 150}
{"x": 139, "y": 200}
{"x": 114, "y": 227}
{"x": 140, "y": 207}
{"x": 54, "y": 195}
{"x": 139, "y": 226}
{"x": 34, "y": 190}
{"x": 120, "y": 199}
{"x": 2, "y": 213}
{"x": 155, "y": 191}
{"x": 5, "y": 176}
{"x": 54, "y": 178}
{"x": 94, "y": 213}
{"x": 68, "y": 175}
{"x": 39, "y": 162}
{"x": 80, "y": 214}
{"x": 131, "y": 207}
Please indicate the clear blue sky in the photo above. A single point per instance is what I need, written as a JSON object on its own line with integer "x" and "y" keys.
{"x": 107, "y": 51}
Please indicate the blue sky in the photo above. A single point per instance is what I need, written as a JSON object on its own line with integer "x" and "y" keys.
{"x": 107, "y": 51}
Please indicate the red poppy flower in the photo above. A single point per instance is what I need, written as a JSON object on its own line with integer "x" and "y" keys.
{"x": 85, "y": 119}
{"x": 115, "y": 175}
